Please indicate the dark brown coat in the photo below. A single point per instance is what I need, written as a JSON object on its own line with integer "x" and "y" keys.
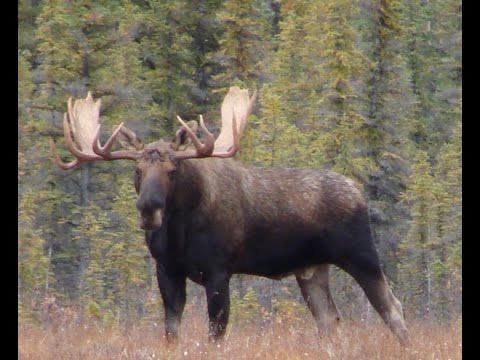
{"x": 207, "y": 217}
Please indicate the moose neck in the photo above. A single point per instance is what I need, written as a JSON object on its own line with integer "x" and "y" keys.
{"x": 189, "y": 188}
{"x": 198, "y": 181}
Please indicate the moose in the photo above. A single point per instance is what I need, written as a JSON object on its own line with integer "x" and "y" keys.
{"x": 207, "y": 217}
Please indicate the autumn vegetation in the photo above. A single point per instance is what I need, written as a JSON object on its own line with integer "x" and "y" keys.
{"x": 282, "y": 338}
{"x": 368, "y": 88}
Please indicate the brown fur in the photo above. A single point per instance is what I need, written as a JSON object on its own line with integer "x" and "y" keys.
{"x": 235, "y": 194}
{"x": 221, "y": 217}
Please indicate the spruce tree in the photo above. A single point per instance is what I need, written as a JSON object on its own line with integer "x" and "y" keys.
{"x": 417, "y": 256}
{"x": 34, "y": 277}
{"x": 128, "y": 260}
{"x": 448, "y": 211}
{"x": 390, "y": 110}
{"x": 243, "y": 46}
{"x": 169, "y": 62}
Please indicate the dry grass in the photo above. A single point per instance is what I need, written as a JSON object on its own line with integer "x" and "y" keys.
{"x": 281, "y": 340}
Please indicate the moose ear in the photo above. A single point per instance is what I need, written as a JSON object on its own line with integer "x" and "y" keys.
{"x": 181, "y": 138}
{"x": 128, "y": 140}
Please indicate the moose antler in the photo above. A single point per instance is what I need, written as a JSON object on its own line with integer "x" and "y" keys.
{"x": 236, "y": 108}
{"x": 81, "y": 130}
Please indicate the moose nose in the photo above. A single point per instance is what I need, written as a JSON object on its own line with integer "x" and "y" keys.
{"x": 148, "y": 204}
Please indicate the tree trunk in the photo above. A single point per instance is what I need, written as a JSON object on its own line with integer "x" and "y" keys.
{"x": 48, "y": 270}
{"x": 84, "y": 242}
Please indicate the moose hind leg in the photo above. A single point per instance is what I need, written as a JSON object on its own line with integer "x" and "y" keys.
{"x": 314, "y": 285}
{"x": 367, "y": 272}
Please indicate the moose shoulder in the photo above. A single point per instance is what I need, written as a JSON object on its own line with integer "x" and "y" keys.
{"x": 207, "y": 217}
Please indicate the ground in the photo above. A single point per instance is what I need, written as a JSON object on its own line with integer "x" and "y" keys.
{"x": 288, "y": 339}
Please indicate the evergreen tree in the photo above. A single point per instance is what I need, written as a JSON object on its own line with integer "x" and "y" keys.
{"x": 27, "y": 13}
{"x": 270, "y": 138}
{"x": 390, "y": 111}
{"x": 91, "y": 231}
{"x": 97, "y": 52}
{"x": 128, "y": 259}
{"x": 448, "y": 194}
{"x": 417, "y": 258}
{"x": 342, "y": 135}
{"x": 167, "y": 53}
{"x": 26, "y": 122}
{"x": 34, "y": 277}
{"x": 435, "y": 63}
{"x": 243, "y": 45}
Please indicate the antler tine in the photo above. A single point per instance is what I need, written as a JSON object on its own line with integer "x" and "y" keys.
{"x": 104, "y": 151}
{"x": 58, "y": 161}
{"x": 202, "y": 150}
{"x": 210, "y": 139}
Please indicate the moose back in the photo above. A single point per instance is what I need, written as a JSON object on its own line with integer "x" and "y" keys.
{"x": 207, "y": 217}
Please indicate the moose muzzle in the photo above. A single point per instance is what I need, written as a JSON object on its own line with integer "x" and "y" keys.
{"x": 150, "y": 221}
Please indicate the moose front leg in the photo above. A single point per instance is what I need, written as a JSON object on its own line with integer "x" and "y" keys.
{"x": 173, "y": 290}
{"x": 218, "y": 300}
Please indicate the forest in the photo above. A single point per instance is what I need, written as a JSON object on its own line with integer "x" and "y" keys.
{"x": 371, "y": 89}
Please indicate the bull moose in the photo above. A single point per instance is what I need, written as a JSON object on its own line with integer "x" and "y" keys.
{"x": 207, "y": 217}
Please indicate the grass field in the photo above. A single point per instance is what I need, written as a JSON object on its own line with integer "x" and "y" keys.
{"x": 280, "y": 340}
